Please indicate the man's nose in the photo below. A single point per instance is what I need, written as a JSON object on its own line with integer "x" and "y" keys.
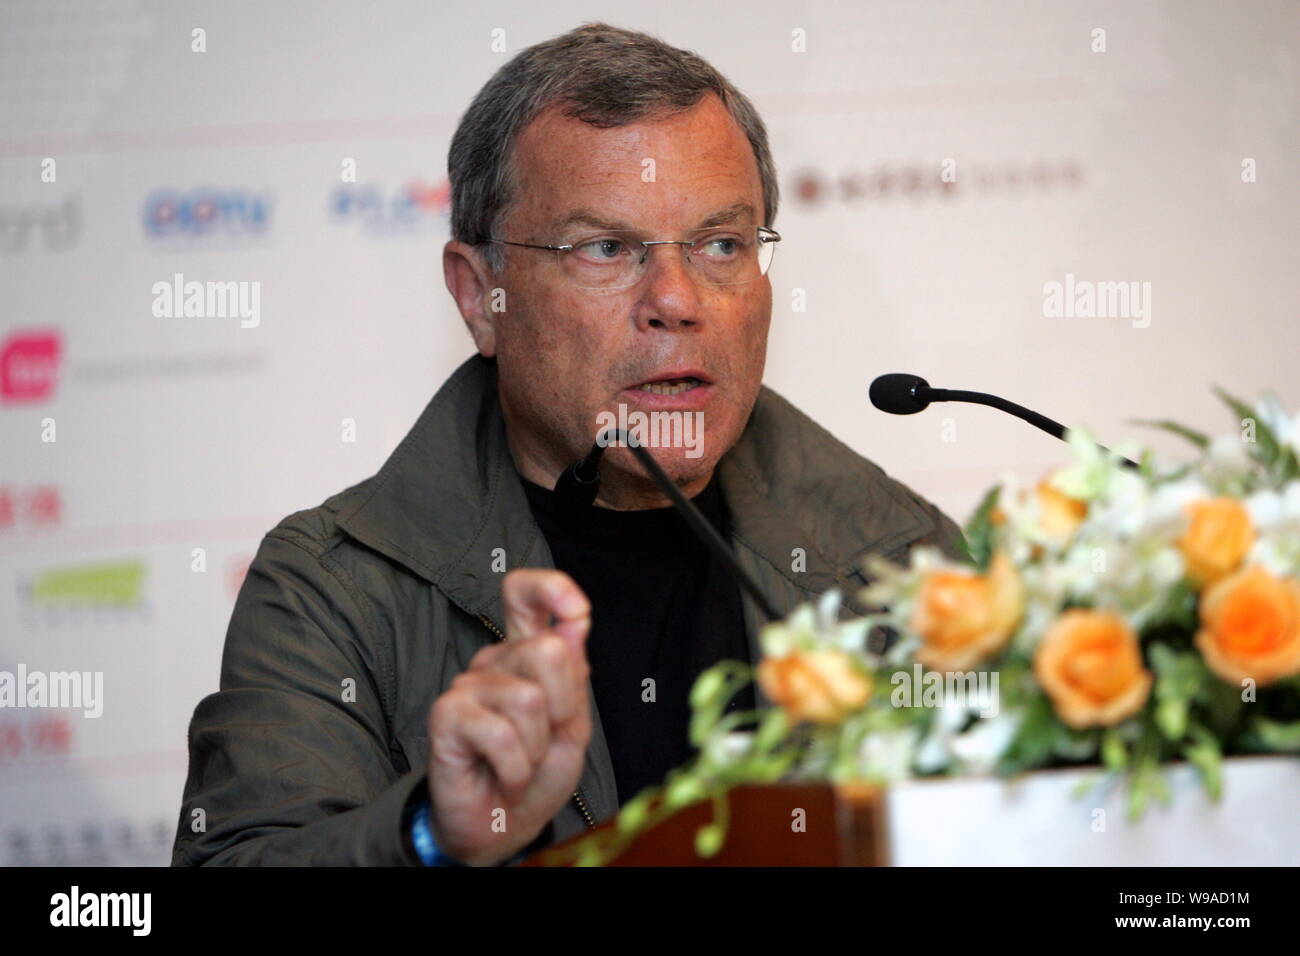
{"x": 669, "y": 290}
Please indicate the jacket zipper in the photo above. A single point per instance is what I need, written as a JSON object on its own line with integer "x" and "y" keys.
{"x": 577, "y": 797}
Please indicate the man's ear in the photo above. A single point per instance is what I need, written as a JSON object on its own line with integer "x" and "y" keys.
{"x": 472, "y": 285}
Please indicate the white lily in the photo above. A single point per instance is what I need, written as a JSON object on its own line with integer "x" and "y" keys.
{"x": 1276, "y": 516}
{"x": 811, "y": 627}
{"x": 1285, "y": 427}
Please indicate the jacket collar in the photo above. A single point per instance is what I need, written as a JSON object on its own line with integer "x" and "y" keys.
{"x": 449, "y": 496}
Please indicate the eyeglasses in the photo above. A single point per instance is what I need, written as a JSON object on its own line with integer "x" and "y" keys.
{"x": 615, "y": 260}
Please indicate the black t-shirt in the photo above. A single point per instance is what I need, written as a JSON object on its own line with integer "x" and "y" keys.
{"x": 663, "y": 609}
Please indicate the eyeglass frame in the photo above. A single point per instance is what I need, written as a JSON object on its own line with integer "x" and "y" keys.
{"x": 772, "y": 236}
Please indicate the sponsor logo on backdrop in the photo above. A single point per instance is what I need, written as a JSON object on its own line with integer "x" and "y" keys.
{"x": 34, "y": 737}
{"x": 92, "y": 841}
{"x": 48, "y": 226}
{"x": 414, "y": 208}
{"x": 30, "y": 506}
{"x": 212, "y": 363}
{"x": 29, "y": 365}
{"x": 814, "y": 187}
{"x": 104, "y": 586}
{"x": 207, "y": 213}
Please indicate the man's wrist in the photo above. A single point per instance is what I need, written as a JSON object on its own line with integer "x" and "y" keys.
{"x": 420, "y": 831}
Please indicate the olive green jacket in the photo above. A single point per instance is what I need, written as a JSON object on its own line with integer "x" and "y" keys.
{"x": 355, "y": 615}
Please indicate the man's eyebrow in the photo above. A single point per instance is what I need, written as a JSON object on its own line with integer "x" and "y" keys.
{"x": 737, "y": 210}
{"x": 589, "y": 217}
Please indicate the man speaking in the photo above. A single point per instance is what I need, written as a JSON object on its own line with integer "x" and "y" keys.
{"x": 443, "y": 665}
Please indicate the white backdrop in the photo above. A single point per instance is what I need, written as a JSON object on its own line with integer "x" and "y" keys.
{"x": 175, "y": 434}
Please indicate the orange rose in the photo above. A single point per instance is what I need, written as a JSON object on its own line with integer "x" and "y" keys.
{"x": 1250, "y": 627}
{"x": 1089, "y": 664}
{"x": 1217, "y": 539}
{"x": 821, "y": 686}
{"x": 963, "y": 618}
{"x": 1059, "y": 515}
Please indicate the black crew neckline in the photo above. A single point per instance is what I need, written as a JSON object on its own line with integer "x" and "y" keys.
{"x": 646, "y": 527}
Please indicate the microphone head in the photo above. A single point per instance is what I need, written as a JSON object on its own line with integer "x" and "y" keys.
{"x": 899, "y": 393}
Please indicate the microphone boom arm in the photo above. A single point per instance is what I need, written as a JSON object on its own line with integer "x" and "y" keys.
{"x": 699, "y": 524}
{"x": 1051, "y": 426}
{"x": 1054, "y": 428}
{"x": 578, "y": 485}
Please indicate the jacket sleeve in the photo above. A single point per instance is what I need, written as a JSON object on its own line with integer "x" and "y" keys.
{"x": 290, "y": 762}
{"x": 946, "y": 536}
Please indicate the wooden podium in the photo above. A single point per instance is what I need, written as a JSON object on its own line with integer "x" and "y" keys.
{"x": 1045, "y": 818}
{"x": 787, "y": 824}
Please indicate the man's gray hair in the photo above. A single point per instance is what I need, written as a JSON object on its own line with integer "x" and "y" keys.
{"x": 599, "y": 74}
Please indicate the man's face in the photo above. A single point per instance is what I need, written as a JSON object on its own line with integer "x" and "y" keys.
{"x": 565, "y": 354}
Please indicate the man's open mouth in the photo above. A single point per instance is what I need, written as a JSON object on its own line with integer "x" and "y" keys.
{"x": 670, "y": 386}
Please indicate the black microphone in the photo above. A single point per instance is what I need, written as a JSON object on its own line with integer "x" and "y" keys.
{"x": 577, "y": 485}
{"x": 900, "y": 393}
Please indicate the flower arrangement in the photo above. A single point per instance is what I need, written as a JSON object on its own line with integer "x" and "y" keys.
{"x": 1105, "y": 615}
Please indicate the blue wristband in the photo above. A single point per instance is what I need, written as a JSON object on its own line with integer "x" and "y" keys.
{"x": 422, "y": 838}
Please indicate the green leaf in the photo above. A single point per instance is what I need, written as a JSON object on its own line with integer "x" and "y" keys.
{"x": 709, "y": 696}
{"x": 1276, "y": 736}
{"x": 1199, "y": 439}
{"x": 1178, "y": 474}
{"x": 708, "y": 839}
{"x": 1171, "y": 717}
{"x": 1138, "y": 793}
{"x": 979, "y": 529}
{"x": 1114, "y": 755}
{"x": 635, "y": 811}
{"x": 1180, "y": 675}
{"x": 772, "y": 730}
{"x": 1177, "y": 609}
{"x": 684, "y": 790}
{"x": 1203, "y": 753}
{"x": 1085, "y": 784}
{"x": 1268, "y": 450}
{"x": 1160, "y": 787}
{"x": 1074, "y": 744}
{"x": 1223, "y": 709}
{"x": 1034, "y": 740}
{"x": 708, "y": 686}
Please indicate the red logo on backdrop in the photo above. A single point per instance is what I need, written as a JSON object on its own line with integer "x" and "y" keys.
{"x": 46, "y": 736}
{"x": 29, "y": 365}
{"x": 431, "y": 199}
{"x": 35, "y": 506}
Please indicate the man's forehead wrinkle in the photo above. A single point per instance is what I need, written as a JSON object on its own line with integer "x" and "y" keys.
{"x": 600, "y": 199}
{"x": 700, "y": 138}
{"x": 570, "y": 168}
{"x": 587, "y": 216}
